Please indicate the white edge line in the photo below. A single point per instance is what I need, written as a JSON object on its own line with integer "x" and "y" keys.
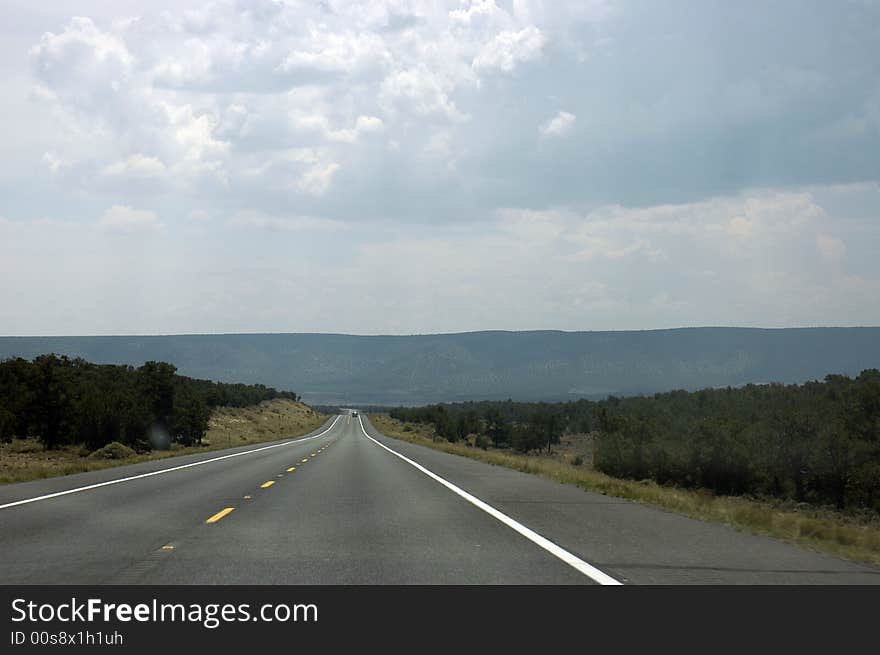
{"x": 572, "y": 560}
{"x": 162, "y": 471}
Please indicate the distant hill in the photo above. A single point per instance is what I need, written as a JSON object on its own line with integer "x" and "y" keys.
{"x": 334, "y": 369}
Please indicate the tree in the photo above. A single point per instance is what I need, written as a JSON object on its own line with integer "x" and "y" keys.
{"x": 524, "y": 439}
{"x": 7, "y": 424}
{"x": 547, "y": 425}
{"x": 190, "y": 418}
{"x": 497, "y": 427}
{"x": 51, "y": 408}
{"x": 157, "y": 386}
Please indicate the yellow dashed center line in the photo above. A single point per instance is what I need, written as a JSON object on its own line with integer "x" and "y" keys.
{"x": 168, "y": 547}
{"x": 291, "y": 469}
{"x": 267, "y": 484}
{"x": 219, "y": 515}
{"x": 305, "y": 460}
{"x": 247, "y": 497}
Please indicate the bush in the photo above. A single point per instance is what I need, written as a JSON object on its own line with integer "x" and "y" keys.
{"x": 578, "y": 460}
{"x": 113, "y": 450}
{"x": 26, "y": 446}
{"x": 482, "y": 441}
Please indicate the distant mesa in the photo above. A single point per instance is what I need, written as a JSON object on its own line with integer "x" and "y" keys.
{"x": 353, "y": 371}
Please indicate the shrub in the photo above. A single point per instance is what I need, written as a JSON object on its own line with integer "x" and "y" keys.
{"x": 113, "y": 450}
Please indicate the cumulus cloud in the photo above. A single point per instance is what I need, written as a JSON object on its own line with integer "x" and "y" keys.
{"x": 317, "y": 179}
{"x": 420, "y": 92}
{"x": 127, "y": 220}
{"x": 83, "y": 65}
{"x": 204, "y": 89}
{"x": 657, "y": 171}
{"x": 508, "y": 49}
{"x": 345, "y": 52}
{"x": 136, "y": 166}
{"x": 320, "y": 125}
{"x": 559, "y": 125}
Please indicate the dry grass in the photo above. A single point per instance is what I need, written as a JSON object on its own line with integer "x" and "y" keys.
{"x": 268, "y": 421}
{"x": 814, "y": 528}
{"x": 26, "y": 459}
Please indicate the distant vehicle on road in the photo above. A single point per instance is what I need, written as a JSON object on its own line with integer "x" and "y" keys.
{"x": 354, "y": 413}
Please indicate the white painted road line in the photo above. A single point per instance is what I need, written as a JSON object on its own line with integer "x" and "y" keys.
{"x": 162, "y": 471}
{"x": 557, "y": 551}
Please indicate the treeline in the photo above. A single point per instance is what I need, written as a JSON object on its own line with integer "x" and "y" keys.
{"x": 61, "y": 401}
{"x": 817, "y": 442}
{"x": 525, "y": 427}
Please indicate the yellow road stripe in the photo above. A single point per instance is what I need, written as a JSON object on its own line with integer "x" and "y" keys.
{"x": 247, "y": 497}
{"x": 305, "y": 460}
{"x": 219, "y": 515}
{"x": 168, "y": 547}
{"x": 268, "y": 484}
{"x": 291, "y": 469}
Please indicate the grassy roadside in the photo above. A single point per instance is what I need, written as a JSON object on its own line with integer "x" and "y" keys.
{"x": 817, "y": 529}
{"x": 26, "y": 459}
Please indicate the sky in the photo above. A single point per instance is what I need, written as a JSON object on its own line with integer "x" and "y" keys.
{"x": 410, "y": 166}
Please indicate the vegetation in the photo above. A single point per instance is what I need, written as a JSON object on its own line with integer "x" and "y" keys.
{"x": 28, "y": 459}
{"x": 270, "y": 420}
{"x": 816, "y": 443}
{"x": 851, "y": 537}
{"x": 113, "y": 450}
{"x": 62, "y": 401}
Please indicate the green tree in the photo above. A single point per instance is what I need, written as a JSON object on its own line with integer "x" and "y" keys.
{"x": 190, "y": 418}
{"x": 51, "y": 402}
{"x": 157, "y": 386}
{"x": 497, "y": 427}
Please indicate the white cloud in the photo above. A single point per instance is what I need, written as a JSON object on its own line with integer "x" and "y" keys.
{"x": 136, "y": 166}
{"x": 256, "y": 219}
{"x": 559, "y": 125}
{"x": 421, "y": 92}
{"x": 199, "y": 215}
{"x": 367, "y": 124}
{"x": 54, "y": 163}
{"x": 509, "y": 49}
{"x": 316, "y": 180}
{"x": 320, "y": 124}
{"x": 81, "y": 60}
{"x": 613, "y": 267}
{"x": 411, "y": 122}
{"x": 344, "y": 52}
{"x": 194, "y": 132}
{"x": 126, "y": 220}
{"x": 832, "y": 249}
{"x": 739, "y": 226}
{"x": 476, "y": 11}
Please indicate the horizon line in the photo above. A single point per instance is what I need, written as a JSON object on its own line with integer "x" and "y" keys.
{"x": 432, "y": 334}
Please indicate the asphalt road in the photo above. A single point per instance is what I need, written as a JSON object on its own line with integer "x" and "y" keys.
{"x": 347, "y": 505}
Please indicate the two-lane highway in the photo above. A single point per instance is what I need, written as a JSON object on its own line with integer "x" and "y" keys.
{"x": 347, "y": 505}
